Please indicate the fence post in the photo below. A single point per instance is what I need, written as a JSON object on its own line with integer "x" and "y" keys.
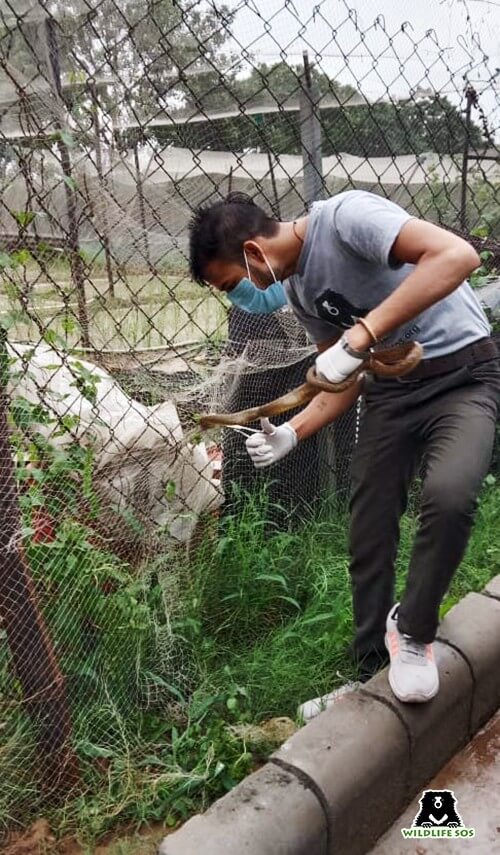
{"x": 470, "y": 96}
{"x": 342, "y": 436}
{"x": 76, "y": 262}
{"x": 32, "y": 652}
{"x": 142, "y": 208}
{"x": 102, "y": 185}
{"x": 276, "y": 206}
{"x": 310, "y": 136}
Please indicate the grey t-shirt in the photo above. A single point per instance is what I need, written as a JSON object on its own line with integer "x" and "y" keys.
{"x": 345, "y": 270}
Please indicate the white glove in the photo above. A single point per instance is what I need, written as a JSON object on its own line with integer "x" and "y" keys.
{"x": 271, "y": 443}
{"x": 339, "y": 361}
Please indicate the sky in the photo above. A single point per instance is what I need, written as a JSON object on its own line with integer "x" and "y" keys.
{"x": 384, "y": 46}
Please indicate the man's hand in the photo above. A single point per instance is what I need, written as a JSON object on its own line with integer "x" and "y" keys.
{"x": 339, "y": 362}
{"x": 271, "y": 443}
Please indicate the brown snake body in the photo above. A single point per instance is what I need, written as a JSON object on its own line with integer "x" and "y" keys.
{"x": 386, "y": 362}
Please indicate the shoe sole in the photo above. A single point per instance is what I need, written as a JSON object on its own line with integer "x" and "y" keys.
{"x": 409, "y": 698}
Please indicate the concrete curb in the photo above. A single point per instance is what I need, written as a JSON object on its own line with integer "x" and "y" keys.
{"x": 338, "y": 783}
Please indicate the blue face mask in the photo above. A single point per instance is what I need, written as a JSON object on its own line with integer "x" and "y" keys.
{"x": 256, "y": 301}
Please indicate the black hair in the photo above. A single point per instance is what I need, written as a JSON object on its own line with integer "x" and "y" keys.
{"x": 220, "y": 230}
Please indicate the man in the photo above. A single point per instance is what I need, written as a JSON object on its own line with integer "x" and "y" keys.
{"x": 359, "y": 270}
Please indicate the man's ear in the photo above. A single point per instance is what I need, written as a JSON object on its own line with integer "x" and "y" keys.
{"x": 253, "y": 250}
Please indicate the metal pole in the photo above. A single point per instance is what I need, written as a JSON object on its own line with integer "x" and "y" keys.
{"x": 142, "y": 209}
{"x": 102, "y": 183}
{"x": 470, "y": 95}
{"x": 24, "y": 221}
{"x": 276, "y": 206}
{"x": 310, "y": 135}
{"x": 32, "y": 651}
{"x": 76, "y": 261}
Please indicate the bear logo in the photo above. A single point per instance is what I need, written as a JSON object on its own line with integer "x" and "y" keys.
{"x": 437, "y": 810}
{"x": 335, "y": 309}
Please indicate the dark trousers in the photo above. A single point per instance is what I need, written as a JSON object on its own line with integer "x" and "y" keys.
{"x": 442, "y": 428}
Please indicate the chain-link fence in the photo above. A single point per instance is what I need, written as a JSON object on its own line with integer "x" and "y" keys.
{"x": 117, "y": 120}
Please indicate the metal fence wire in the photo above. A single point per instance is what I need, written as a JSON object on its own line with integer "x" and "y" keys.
{"x": 117, "y": 120}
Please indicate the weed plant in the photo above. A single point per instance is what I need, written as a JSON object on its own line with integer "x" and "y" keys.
{"x": 161, "y": 661}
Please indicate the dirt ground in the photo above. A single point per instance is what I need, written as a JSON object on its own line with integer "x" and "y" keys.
{"x": 39, "y": 840}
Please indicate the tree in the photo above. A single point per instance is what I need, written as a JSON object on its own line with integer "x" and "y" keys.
{"x": 266, "y": 84}
{"x": 281, "y": 82}
{"x": 380, "y": 129}
{"x": 158, "y": 52}
{"x": 403, "y": 127}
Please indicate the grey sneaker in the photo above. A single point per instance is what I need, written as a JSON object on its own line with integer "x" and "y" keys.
{"x": 310, "y": 709}
{"x": 413, "y": 676}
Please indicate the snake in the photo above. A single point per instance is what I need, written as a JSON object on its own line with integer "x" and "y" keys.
{"x": 386, "y": 362}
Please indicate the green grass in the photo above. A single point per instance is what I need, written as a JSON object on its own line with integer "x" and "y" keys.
{"x": 257, "y": 621}
{"x": 143, "y": 286}
{"x": 145, "y": 310}
{"x": 482, "y": 559}
{"x": 286, "y": 637}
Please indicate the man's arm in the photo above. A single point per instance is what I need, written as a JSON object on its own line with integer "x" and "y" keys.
{"x": 323, "y": 409}
{"x": 325, "y": 406}
{"x": 271, "y": 444}
{"x": 442, "y": 261}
